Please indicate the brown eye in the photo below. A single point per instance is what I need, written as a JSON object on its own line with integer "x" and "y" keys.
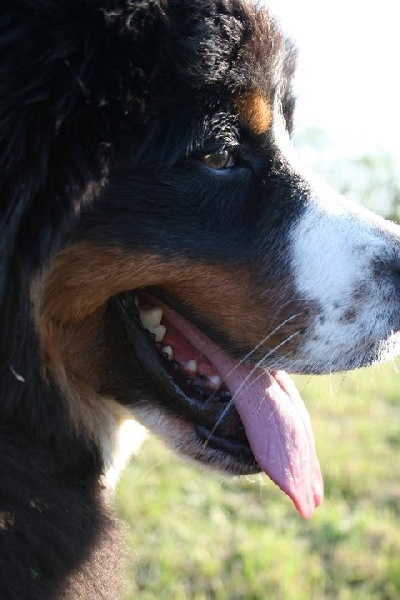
{"x": 219, "y": 160}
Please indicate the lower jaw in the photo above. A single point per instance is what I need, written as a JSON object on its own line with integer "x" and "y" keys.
{"x": 194, "y": 443}
{"x": 235, "y": 458}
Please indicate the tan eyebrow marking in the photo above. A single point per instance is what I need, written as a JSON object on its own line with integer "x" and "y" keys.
{"x": 254, "y": 111}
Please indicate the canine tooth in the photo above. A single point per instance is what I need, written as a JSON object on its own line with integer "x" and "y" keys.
{"x": 191, "y": 367}
{"x": 214, "y": 381}
{"x": 159, "y": 332}
{"x": 168, "y": 351}
{"x": 151, "y": 317}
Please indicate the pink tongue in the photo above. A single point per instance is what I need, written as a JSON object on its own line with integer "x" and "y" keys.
{"x": 279, "y": 431}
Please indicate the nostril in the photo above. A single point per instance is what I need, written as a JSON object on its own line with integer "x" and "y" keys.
{"x": 394, "y": 265}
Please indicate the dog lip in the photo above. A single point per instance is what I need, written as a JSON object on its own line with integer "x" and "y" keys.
{"x": 217, "y": 424}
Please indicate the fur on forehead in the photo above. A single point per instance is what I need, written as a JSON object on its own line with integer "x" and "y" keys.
{"x": 213, "y": 44}
{"x": 206, "y": 46}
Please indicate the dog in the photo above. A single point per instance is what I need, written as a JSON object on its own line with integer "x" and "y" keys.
{"x": 164, "y": 261}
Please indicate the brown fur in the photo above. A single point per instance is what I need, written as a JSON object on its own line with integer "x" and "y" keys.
{"x": 254, "y": 112}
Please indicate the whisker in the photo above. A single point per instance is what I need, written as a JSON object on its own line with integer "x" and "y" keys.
{"x": 246, "y": 379}
{"x": 258, "y": 364}
{"x": 265, "y": 339}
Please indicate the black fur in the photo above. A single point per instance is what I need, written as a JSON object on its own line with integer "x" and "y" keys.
{"x": 104, "y": 107}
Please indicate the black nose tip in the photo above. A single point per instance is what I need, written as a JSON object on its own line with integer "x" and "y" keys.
{"x": 387, "y": 276}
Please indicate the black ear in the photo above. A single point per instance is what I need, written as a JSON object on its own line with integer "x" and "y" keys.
{"x": 33, "y": 104}
{"x": 53, "y": 122}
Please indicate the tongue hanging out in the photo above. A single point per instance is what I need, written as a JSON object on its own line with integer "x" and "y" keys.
{"x": 279, "y": 431}
{"x": 272, "y": 412}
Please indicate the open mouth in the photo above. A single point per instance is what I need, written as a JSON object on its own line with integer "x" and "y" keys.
{"x": 257, "y": 417}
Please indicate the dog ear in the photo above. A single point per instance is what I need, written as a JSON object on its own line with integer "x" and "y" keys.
{"x": 54, "y": 122}
{"x": 34, "y": 101}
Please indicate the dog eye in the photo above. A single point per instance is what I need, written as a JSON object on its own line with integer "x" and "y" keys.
{"x": 219, "y": 160}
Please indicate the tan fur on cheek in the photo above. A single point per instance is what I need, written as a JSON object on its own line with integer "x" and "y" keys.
{"x": 70, "y": 358}
{"x": 231, "y": 297}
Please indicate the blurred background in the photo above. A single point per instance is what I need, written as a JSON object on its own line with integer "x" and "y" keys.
{"x": 196, "y": 536}
{"x": 348, "y": 90}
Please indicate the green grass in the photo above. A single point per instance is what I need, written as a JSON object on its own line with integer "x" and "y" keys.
{"x": 194, "y": 535}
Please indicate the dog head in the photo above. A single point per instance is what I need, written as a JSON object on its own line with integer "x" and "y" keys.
{"x": 179, "y": 259}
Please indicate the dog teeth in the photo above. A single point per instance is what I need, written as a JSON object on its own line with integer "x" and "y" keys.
{"x": 214, "y": 381}
{"x": 167, "y": 350}
{"x": 151, "y": 318}
{"x": 159, "y": 332}
{"x": 191, "y": 367}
